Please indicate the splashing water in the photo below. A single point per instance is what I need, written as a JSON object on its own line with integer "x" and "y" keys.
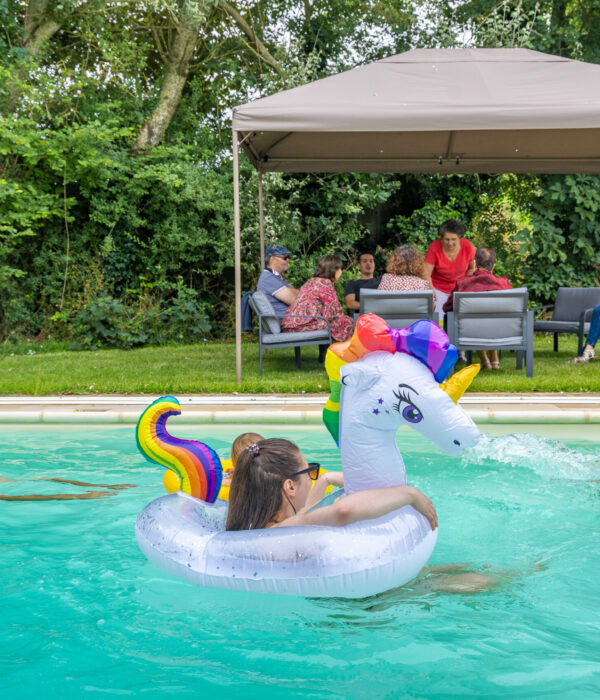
{"x": 548, "y": 458}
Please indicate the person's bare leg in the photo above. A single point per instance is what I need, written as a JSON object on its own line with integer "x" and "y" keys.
{"x": 58, "y": 496}
{"x": 494, "y": 359}
{"x": 84, "y": 483}
{"x": 483, "y": 358}
{"x": 465, "y": 583}
{"x": 445, "y": 568}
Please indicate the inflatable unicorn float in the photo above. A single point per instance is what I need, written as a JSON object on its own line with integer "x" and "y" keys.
{"x": 381, "y": 379}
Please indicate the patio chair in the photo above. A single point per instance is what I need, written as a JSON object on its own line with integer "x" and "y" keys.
{"x": 271, "y": 336}
{"x": 572, "y": 312}
{"x": 398, "y": 309}
{"x": 496, "y": 320}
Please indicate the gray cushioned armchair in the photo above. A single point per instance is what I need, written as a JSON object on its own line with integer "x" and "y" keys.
{"x": 572, "y": 312}
{"x": 398, "y": 309}
{"x": 498, "y": 320}
{"x": 270, "y": 334}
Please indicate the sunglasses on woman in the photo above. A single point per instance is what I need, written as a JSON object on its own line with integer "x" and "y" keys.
{"x": 312, "y": 470}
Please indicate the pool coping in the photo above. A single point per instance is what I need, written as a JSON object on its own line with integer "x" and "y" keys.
{"x": 282, "y": 408}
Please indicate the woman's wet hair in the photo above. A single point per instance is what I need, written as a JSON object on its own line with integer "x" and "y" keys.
{"x": 327, "y": 266}
{"x": 256, "y": 492}
{"x": 452, "y": 226}
{"x": 405, "y": 260}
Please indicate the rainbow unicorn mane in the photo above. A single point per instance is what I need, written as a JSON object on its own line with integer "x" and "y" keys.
{"x": 424, "y": 340}
{"x": 197, "y": 465}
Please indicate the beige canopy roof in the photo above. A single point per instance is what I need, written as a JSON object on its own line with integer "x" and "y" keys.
{"x": 433, "y": 110}
{"x": 425, "y": 111}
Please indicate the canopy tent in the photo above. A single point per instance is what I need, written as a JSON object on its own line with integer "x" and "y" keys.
{"x": 426, "y": 111}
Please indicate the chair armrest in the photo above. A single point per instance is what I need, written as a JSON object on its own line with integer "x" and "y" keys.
{"x": 541, "y": 308}
{"x": 449, "y": 326}
{"x": 587, "y": 314}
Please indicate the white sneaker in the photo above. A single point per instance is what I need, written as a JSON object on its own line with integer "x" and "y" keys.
{"x": 462, "y": 356}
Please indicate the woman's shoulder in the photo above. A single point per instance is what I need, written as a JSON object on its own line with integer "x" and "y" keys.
{"x": 434, "y": 249}
{"x": 311, "y": 284}
{"x": 318, "y": 282}
{"x": 419, "y": 282}
{"x": 386, "y": 278}
{"x": 402, "y": 283}
{"x": 466, "y": 244}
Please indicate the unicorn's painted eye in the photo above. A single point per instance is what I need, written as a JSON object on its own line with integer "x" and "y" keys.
{"x": 412, "y": 414}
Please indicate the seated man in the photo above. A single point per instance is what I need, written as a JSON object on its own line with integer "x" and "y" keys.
{"x": 366, "y": 266}
{"x": 271, "y": 282}
{"x": 482, "y": 280}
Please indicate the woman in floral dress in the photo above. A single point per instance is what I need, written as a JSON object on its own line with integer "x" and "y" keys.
{"x": 317, "y": 297}
{"x": 405, "y": 272}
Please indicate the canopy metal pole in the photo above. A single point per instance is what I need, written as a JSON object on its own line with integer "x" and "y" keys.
{"x": 237, "y": 259}
{"x": 261, "y": 221}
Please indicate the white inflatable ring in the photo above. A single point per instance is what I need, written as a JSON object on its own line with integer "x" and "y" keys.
{"x": 380, "y": 379}
{"x": 187, "y": 538}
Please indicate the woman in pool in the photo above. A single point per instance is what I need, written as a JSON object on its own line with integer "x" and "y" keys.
{"x": 271, "y": 487}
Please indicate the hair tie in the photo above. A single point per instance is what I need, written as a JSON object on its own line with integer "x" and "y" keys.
{"x": 253, "y": 449}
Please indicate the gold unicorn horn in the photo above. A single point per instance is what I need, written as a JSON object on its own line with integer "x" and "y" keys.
{"x": 459, "y": 382}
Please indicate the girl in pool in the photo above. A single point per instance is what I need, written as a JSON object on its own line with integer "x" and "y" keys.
{"x": 271, "y": 487}
{"x": 239, "y": 445}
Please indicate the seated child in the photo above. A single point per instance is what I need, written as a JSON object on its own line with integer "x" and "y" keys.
{"x": 239, "y": 445}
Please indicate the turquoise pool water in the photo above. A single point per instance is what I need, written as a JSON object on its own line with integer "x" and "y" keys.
{"x": 83, "y": 613}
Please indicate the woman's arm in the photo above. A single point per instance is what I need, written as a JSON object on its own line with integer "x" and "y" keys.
{"x": 366, "y": 505}
{"x": 433, "y": 290}
{"x": 331, "y": 307}
{"x": 318, "y": 490}
{"x": 351, "y": 303}
{"x": 427, "y": 270}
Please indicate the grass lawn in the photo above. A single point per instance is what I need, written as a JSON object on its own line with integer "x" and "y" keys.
{"x": 49, "y": 368}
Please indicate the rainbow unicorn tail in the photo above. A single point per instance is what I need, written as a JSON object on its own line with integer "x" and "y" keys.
{"x": 197, "y": 465}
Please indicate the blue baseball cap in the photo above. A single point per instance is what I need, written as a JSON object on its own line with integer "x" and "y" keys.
{"x": 276, "y": 250}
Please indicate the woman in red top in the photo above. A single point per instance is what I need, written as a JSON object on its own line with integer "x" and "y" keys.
{"x": 482, "y": 280}
{"x": 449, "y": 257}
{"x": 317, "y": 297}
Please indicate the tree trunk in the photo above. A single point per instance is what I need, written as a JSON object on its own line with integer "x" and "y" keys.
{"x": 39, "y": 27}
{"x": 180, "y": 54}
{"x": 178, "y": 60}
{"x": 558, "y": 21}
{"x": 261, "y": 50}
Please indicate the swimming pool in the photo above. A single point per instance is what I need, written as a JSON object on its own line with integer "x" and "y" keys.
{"x": 84, "y": 613}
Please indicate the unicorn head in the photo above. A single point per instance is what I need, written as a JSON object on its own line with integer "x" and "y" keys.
{"x": 385, "y": 378}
